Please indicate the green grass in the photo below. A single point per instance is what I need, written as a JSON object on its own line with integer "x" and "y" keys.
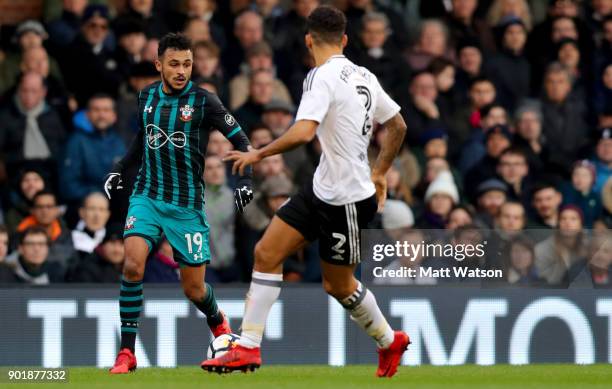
{"x": 317, "y": 377}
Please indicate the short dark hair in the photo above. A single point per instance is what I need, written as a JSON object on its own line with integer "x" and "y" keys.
{"x": 33, "y": 230}
{"x": 3, "y": 229}
{"x": 514, "y": 150}
{"x": 484, "y": 111}
{"x": 176, "y": 41}
{"x": 480, "y": 79}
{"x": 44, "y": 192}
{"x": 326, "y": 24}
{"x": 99, "y": 96}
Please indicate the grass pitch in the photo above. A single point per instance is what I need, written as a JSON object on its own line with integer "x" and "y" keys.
{"x": 557, "y": 376}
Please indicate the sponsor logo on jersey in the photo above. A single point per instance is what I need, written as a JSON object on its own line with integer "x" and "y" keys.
{"x": 129, "y": 223}
{"x": 229, "y": 119}
{"x": 156, "y": 137}
{"x": 186, "y": 112}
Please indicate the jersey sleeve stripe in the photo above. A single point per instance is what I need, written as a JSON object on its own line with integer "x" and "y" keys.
{"x": 234, "y": 132}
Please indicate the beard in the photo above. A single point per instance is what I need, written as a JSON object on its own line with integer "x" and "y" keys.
{"x": 172, "y": 89}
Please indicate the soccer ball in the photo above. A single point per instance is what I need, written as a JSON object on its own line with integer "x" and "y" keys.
{"x": 220, "y": 345}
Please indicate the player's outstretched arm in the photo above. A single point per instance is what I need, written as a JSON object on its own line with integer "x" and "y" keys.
{"x": 396, "y": 129}
{"x": 302, "y": 131}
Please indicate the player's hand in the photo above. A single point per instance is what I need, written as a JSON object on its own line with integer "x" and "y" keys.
{"x": 380, "y": 182}
{"x": 242, "y": 159}
{"x": 242, "y": 196}
{"x": 113, "y": 181}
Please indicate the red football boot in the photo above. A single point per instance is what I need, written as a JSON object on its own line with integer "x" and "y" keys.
{"x": 223, "y": 328}
{"x": 389, "y": 358}
{"x": 125, "y": 362}
{"x": 238, "y": 358}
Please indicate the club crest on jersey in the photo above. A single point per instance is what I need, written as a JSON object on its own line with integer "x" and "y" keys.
{"x": 129, "y": 223}
{"x": 229, "y": 119}
{"x": 186, "y": 112}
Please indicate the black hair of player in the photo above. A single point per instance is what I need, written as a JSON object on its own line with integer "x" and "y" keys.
{"x": 326, "y": 24}
{"x": 176, "y": 41}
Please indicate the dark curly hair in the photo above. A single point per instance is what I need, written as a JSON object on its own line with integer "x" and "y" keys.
{"x": 326, "y": 24}
{"x": 176, "y": 41}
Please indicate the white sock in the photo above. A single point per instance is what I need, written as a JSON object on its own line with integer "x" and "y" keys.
{"x": 263, "y": 292}
{"x": 364, "y": 311}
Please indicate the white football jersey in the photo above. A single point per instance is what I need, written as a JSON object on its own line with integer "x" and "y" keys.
{"x": 345, "y": 99}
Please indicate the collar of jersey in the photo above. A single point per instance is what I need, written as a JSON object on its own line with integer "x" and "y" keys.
{"x": 163, "y": 94}
{"x": 335, "y": 56}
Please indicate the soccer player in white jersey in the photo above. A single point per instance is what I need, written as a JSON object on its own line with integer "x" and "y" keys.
{"x": 340, "y": 103}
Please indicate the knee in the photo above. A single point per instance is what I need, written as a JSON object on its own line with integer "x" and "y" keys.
{"x": 195, "y": 293}
{"x": 265, "y": 258}
{"x": 132, "y": 269}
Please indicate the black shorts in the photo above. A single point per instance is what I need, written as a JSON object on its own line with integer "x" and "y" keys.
{"x": 337, "y": 227}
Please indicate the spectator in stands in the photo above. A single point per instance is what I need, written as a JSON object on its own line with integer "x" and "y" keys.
{"x": 600, "y": 259}
{"x": 482, "y": 93}
{"x": 88, "y": 66}
{"x": 142, "y": 10}
{"x": 379, "y": 55}
{"x": 564, "y": 249}
{"x": 206, "y": 65}
{"x": 197, "y": 30}
{"x": 491, "y": 194}
{"x": 30, "y": 181}
{"x": 463, "y": 24}
{"x": 564, "y": 124}
{"x": 273, "y": 15}
{"x": 161, "y": 266}
{"x": 433, "y": 167}
{"x": 520, "y": 269}
{"x": 32, "y": 265}
{"x": 422, "y": 109}
{"x": 63, "y": 31}
{"x": 358, "y": 8}
{"x": 474, "y": 150}
{"x": 4, "y": 243}
{"x": 131, "y": 41}
{"x": 501, "y": 9}
{"x": 271, "y": 166}
{"x": 32, "y": 130}
{"x": 469, "y": 65}
{"x": 546, "y": 200}
{"x": 260, "y": 136}
{"x": 528, "y": 136}
{"x": 261, "y": 91}
{"x": 36, "y": 60}
{"x": 603, "y": 159}
{"x": 431, "y": 43}
{"x": 90, "y": 156}
{"x": 568, "y": 55}
{"x": 440, "y": 198}
{"x": 258, "y": 57}
{"x": 498, "y": 138}
{"x": 602, "y": 98}
{"x": 513, "y": 169}
{"x": 90, "y": 230}
{"x": 220, "y": 213}
{"x": 581, "y": 194}
{"x": 397, "y": 188}
{"x": 509, "y": 222}
{"x": 444, "y": 72}
{"x": 397, "y": 218}
{"x": 105, "y": 263}
{"x": 205, "y": 11}
{"x": 509, "y": 68}
{"x": 46, "y": 214}
{"x": 248, "y": 30}
{"x": 460, "y": 215}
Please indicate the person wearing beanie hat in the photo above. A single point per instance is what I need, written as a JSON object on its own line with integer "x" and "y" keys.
{"x": 29, "y": 34}
{"x": 440, "y": 197}
{"x": 491, "y": 195}
{"x": 580, "y": 192}
{"x": 396, "y": 218}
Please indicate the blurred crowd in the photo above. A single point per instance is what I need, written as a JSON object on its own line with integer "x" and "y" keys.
{"x": 508, "y": 105}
